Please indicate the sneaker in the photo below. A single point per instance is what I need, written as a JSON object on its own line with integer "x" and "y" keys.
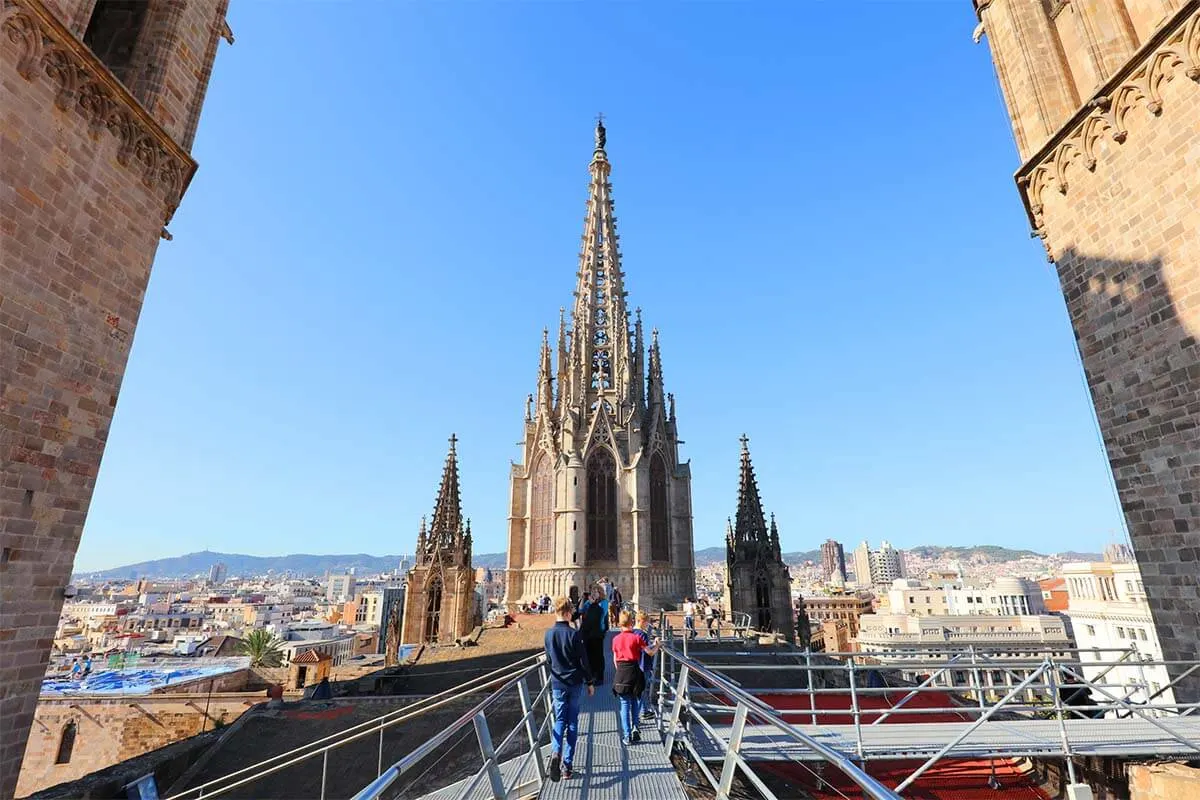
{"x": 555, "y": 767}
{"x": 636, "y": 737}
{"x": 625, "y": 741}
{"x": 567, "y": 773}
{"x": 647, "y": 714}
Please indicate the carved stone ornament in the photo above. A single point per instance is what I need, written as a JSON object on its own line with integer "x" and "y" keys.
{"x": 1103, "y": 117}
{"x": 46, "y": 47}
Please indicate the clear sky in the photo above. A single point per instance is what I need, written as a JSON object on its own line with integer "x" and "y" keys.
{"x": 816, "y": 209}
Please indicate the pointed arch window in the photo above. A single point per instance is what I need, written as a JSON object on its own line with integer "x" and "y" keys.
{"x": 541, "y": 521}
{"x": 66, "y": 744}
{"x": 601, "y": 506}
{"x": 660, "y": 518}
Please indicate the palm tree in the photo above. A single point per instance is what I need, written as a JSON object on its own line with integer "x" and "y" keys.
{"x": 263, "y": 648}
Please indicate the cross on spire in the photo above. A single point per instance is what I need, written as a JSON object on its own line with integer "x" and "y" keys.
{"x": 453, "y": 441}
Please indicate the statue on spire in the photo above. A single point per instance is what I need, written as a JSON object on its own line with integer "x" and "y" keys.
{"x": 601, "y": 133}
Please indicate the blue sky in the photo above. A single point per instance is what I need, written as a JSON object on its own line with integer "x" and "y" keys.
{"x": 816, "y": 209}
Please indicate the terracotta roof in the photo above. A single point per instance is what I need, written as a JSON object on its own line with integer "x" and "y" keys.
{"x": 311, "y": 657}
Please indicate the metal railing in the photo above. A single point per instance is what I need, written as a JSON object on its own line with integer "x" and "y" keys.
{"x": 500, "y": 682}
{"x": 1051, "y": 685}
{"x": 678, "y": 674}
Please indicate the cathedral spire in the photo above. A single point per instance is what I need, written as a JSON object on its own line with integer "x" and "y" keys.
{"x": 751, "y": 525}
{"x": 545, "y": 397}
{"x": 447, "y": 509}
{"x": 654, "y": 385}
{"x": 600, "y": 346}
{"x": 564, "y": 359}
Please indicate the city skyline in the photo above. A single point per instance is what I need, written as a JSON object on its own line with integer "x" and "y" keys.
{"x": 901, "y": 405}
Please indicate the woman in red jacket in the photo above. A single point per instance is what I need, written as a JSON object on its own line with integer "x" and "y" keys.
{"x": 629, "y": 681}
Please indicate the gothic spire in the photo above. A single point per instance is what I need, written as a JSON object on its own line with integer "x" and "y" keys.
{"x": 600, "y": 321}
{"x": 447, "y": 509}
{"x": 545, "y": 397}
{"x": 750, "y": 524}
{"x": 563, "y": 356}
{"x": 639, "y": 362}
{"x": 654, "y": 383}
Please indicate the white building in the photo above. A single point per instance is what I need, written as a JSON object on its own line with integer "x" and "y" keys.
{"x": 877, "y": 567}
{"x": 1108, "y": 611}
{"x": 897, "y": 639}
{"x": 340, "y": 588}
{"x": 324, "y": 637}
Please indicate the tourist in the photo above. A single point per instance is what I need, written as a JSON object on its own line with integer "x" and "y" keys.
{"x": 714, "y": 621}
{"x": 75, "y": 669}
{"x": 689, "y": 617}
{"x": 593, "y": 625}
{"x": 629, "y": 682}
{"x": 615, "y": 602}
{"x": 87, "y": 665}
{"x": 643, "y": 630}
{"x": 569, "y": 671}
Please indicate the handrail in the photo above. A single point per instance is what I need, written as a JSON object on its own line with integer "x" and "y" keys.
{"x": 689, "y": 666}
{"x": 474, "y": 717}
{"x": 324, "y": 745}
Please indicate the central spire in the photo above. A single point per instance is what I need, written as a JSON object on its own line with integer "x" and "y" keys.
{"x": 600, "y": 337}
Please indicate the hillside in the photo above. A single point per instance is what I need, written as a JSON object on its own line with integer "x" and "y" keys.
{"x": 310, "y": 565}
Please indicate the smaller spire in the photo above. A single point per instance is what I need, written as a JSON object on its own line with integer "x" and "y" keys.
{"x": 545, "y": 400}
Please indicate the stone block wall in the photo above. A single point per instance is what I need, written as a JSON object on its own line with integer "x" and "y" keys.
{"x": 1114, "y": 192}
{"x": 88, "y": 179}
{"x": 1163, "y": 781}
{"x": 111, "y": 730}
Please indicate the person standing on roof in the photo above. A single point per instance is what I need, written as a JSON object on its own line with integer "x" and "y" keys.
{"x": 689, "y": 617}
{"x": 593, "y": 625}
{"x": 569, "y": 672}
{"x": 629, "y": 682}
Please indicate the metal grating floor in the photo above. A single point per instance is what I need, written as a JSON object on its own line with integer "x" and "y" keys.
{"x": 995, "y": 738}
{"x": 604, "y": 768}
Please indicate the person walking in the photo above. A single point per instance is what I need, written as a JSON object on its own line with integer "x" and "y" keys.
{"x": 593, "y": 625}
{"x": 615, "y": 603}
{"x": 569, "y": 673}
{"x": 689, "y": 617}
{"x": 711, "y": 617}
{"x": 643, "y": 630}
{"x": 629, "y": 682}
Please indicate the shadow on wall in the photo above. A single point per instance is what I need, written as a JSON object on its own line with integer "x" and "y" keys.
{"x": 1137, "y": 338}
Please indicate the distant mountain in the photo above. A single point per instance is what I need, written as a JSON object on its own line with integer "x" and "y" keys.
{"x": 991, "y": 552}
{"x": 308, "y": 565}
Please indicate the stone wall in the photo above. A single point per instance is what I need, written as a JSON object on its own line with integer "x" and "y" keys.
{"x": 89, "y": 176}
{"x": 1163, "y": 781}
{"x": 1113, "y": 189}
{"x": 109, "y": 730}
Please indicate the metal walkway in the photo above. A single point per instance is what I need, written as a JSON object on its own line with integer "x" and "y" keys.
{"x": 607, "y": 770}
{"x": 993, "y": 739}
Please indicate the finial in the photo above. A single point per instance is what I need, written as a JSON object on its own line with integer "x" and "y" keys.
{"x": 654, "y": 336}
{"x": 601, "y": 137}
{"x": 745, "y": 440}
{"x": 453, "y": 441}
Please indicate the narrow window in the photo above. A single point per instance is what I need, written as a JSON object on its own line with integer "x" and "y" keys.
{"x": 601, "y": 507}
{"x": 660, "y": 519}
{"x": 542, "y": 518}
{"x": 66, "y": 744}
{"x": 112, "y": 33}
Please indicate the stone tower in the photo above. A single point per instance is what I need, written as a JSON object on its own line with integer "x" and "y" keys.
{"x": 439, "y": 603}
{"x": 1104, "y": 100}
{"x": 101, "y": 99}
{"x": 756, "y": 579}
{"x": 600, "y": 490}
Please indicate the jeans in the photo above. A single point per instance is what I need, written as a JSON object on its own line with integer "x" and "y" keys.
{"x": 689, "y": 622}
{"x": 648, "y": 696}
{"x": 631, "y": 708}
{"x": 566, "y": 721}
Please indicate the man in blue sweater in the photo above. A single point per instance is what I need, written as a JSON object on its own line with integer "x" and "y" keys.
{"x": 569, "y": 672}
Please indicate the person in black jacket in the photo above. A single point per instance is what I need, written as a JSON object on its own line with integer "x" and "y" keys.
{"x": 569, "y": 672}
{"x": 593, "y": 625}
